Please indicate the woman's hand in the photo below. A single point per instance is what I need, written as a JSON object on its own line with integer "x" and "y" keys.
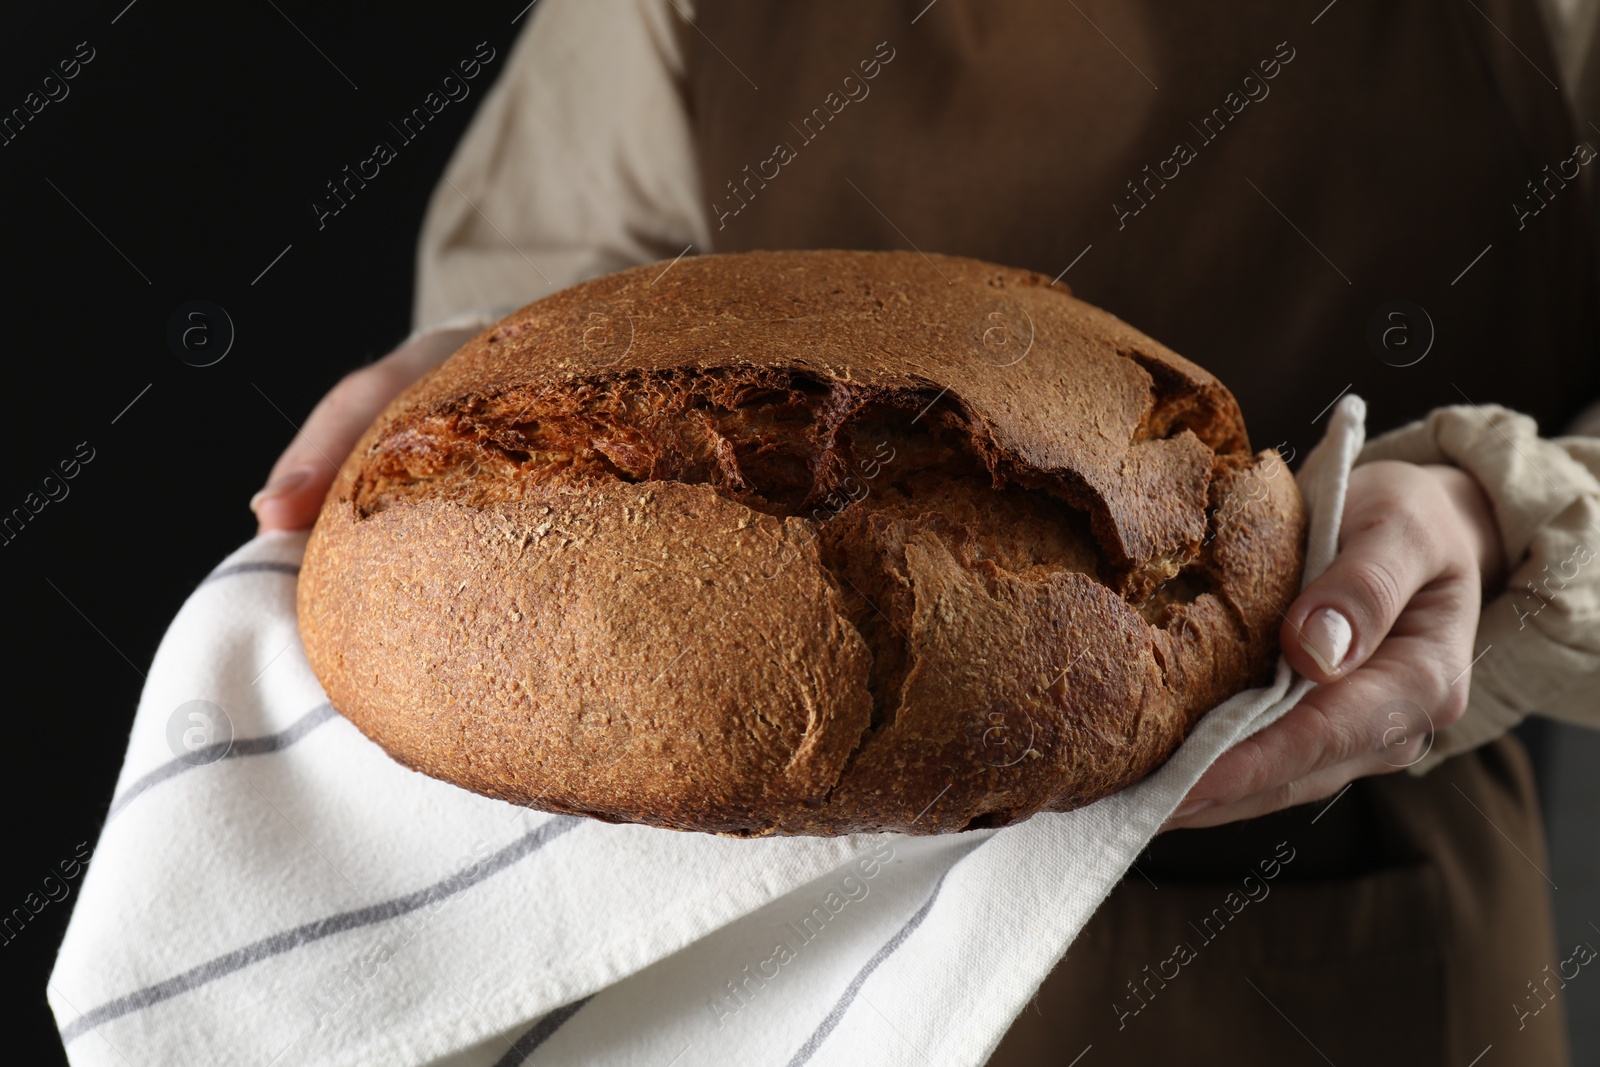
{"x": 301, "y": 477}
{"x": 1391, "y": 621}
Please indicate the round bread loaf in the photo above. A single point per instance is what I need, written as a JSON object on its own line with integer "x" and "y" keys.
{"x": 801, "y": 543}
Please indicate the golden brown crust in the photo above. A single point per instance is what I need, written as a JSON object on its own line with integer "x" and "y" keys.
{"x": 801, "y": 543}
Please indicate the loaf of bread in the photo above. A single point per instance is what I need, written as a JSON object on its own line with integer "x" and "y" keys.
{"x": 801, "y": 543}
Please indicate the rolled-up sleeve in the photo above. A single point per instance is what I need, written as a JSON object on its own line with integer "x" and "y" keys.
{"x": 579, "y": 162}
{"x": 1539, "y": 641}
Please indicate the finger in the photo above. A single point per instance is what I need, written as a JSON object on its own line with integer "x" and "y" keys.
{"x": 301, "y": 477}
{"x": 1378, "y": 719}
{"x": 1325, "y": 783}
{"x": 1339, "y": 722}
{"x": 1387, "y": 552}
{"x": 1320, "y": 731}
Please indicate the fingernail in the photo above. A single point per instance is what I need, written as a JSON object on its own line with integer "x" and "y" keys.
{"x": 281, "y": 486}
{"x": 1191, "y": 807}
{"x": 1326, "y": 639}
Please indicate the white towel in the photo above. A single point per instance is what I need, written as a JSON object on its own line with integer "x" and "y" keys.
{"x": 288, "y": 894}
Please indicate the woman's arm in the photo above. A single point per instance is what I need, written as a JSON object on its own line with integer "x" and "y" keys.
{"x": 1540, "y": 636}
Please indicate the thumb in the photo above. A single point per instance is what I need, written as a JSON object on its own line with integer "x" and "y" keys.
{"x": 301, "y": 477}
{"x": 1386, "y": 554}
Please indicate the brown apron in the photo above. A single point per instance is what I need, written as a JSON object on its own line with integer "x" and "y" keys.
{"x": 1386, "y": 152}
{"x": 1257, "y": 185}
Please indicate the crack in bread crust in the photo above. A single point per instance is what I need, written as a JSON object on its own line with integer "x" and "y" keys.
{"x": 779, "y": 441}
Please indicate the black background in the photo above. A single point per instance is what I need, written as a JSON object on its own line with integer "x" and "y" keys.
{"x": 195, "y": 142}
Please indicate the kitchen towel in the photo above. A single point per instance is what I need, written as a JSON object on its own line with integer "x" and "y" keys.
{"x": 270, "y": 888}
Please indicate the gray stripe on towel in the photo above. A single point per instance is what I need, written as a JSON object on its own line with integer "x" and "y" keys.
{"x": 249, "y": 568}
{"x": 288, "y": 940}
{"x": 244, "y": 746}
{"x": 539, "y": 1033}
{"x": 826, "y": 1027}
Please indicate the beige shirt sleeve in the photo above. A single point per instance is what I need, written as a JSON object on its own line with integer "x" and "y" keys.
{"x": 579, "y": 162}
{"x": 1539, "y": 641}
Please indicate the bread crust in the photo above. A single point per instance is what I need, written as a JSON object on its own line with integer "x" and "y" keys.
{"x": 801, "y": 543}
